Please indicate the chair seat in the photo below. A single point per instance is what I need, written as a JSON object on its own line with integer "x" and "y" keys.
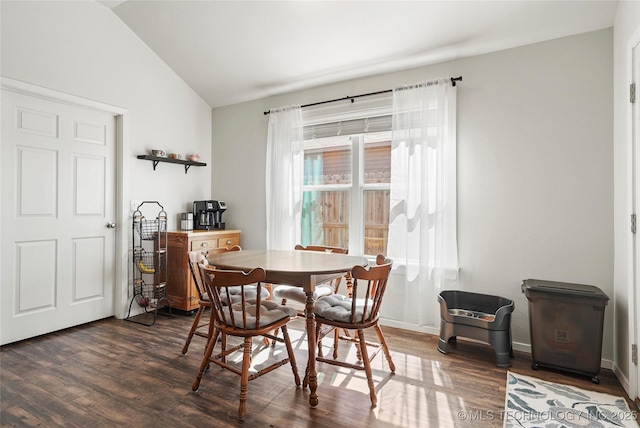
{"x": 234, "y": 292}
{"x": 337, "y": 307}
{"x": 270, "y": 313}
{"x": 291, "y": 292}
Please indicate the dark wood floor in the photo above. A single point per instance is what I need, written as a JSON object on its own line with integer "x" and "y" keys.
{"x": 114, "y": 373}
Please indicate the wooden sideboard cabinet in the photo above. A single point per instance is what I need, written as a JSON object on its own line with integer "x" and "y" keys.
{"x": 182, "y": 292}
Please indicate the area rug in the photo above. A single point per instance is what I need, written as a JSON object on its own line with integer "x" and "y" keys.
{"x": 532, "y": 402}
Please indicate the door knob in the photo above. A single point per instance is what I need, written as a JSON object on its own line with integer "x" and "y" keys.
{"x": 111, "y": 225}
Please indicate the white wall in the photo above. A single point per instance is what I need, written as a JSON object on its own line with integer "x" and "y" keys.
{"x": 627, "y": 24}
{"x": 535, "y": 167}
{"x": 82, "y": 48}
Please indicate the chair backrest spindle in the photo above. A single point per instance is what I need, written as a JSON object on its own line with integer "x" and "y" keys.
{"x": 366, "y": 301}
{"x": 219, "y": 282}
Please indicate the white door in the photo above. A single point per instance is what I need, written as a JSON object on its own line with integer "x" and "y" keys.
{"x": 58, "y": 198}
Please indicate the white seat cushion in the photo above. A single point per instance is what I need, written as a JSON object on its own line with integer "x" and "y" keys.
{"x": 338, "y": 308}
{"x": 291, "y": 292}
{"x": 234, "y": 292}
{"x": 249, "y": 293}
{"x": 269, "y": 314}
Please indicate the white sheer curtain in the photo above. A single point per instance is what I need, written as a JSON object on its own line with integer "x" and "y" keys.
{"x": 284, "y": 171}
{"x": 422, "y": 221}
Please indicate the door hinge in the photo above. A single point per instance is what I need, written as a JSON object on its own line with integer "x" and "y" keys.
{"x": 634, "y": 354}
{"x": 632, "y": 93}
{"x": 633, "y": 223}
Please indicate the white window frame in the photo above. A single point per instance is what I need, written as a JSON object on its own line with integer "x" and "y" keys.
{"x": 356, "y": 191}
{"x": 373, "y": 109}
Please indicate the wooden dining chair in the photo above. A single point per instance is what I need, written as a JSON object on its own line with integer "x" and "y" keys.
{"x": 357, "y": 313}
{"x": 245, "y": 318}
{"x": 297, "y": 294}
{"x": 198, "y": 326}
{"x": 193, "y": 259}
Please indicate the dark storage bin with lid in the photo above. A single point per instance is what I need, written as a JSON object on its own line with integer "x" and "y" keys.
{"x": 566, "y": 322}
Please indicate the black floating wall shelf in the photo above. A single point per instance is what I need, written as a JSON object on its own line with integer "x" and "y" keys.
{"x": 156, "y": 159}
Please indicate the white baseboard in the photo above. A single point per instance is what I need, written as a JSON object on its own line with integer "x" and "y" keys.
{"x": 411, "y": 327}
{"x": 621, "y": 378}
{"x": 517, "y": 346}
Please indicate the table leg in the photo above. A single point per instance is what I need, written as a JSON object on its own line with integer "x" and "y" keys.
{"x": 311, "y": 337}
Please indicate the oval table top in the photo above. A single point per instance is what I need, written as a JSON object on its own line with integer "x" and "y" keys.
{"x": 287, "y": 261}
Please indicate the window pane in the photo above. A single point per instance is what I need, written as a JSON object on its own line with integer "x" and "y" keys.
{"x": 325, "y": 218}
{"x": 376, "y": 221}
{"x": 327, "y": 160}
{"x": 377, "y": 157}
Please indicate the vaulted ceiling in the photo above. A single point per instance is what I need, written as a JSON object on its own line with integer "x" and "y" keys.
{"x": 236, "y": 51}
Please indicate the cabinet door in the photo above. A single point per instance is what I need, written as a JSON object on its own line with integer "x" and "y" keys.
{"x": 181, "y": 291}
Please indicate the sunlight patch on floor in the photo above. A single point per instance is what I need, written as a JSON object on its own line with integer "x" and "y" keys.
{"x": 440, "y": 376}
{"x": 417, "y": 394}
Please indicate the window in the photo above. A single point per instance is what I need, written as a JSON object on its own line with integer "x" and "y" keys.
{"x": 345, "y": 200}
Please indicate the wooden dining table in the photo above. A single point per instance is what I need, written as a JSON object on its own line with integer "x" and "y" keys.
{"x": 303, "y": 269}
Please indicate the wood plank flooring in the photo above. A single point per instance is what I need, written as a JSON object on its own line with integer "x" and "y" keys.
{"x": 114, "y": 373}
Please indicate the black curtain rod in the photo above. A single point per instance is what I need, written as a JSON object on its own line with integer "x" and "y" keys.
{"x": 453, "y": 83}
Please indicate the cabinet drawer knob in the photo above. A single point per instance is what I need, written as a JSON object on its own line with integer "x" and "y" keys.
{"x": 204, "y": 244}
{"x": 229, "y": 241}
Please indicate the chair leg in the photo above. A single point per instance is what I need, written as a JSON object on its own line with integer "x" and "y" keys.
{"x": 357, "y": 345}
{"x": 367, "y": 368}
{"x": 223, "y": 347}
{"x": 213, "y": 335}
{"x": 205, "y": 361}
{"x": 211, "y": 331}
{"x": 194, "y": 327}
{"x": 244, "y": 378}
{"x": 292, "y": 358}
{"x": 336, "y": 340}
{"x": 319, "y": 338}
{"x": 385, "y": 349}
{"x": 336, "y": 343}
{"x": 275, "y": 332}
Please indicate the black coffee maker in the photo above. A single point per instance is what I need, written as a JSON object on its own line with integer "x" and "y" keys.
{"x": 207, "y": 215}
